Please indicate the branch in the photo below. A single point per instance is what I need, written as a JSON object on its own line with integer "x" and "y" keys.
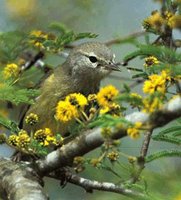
{"x": 122, "y": 39}
{"x": 65, "y": 175}
{"x": 92, "y": 139}
{"x": 18, "y": 182}
{"x": 141, "y": 159}
{"x": 90, "y": 185}
{"x": 146, "y": 142}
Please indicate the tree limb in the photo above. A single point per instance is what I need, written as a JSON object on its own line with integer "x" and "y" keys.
{"x": 19, "y": 182}
{"x": 90, "y": 185}
{"x": 92, "y": 139}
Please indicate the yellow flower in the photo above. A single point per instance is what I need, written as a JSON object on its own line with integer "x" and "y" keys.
{"x": 151, "y": 60}
{"x": 136, "y": 99}
{"x": 168, "y": 15}
{"x": 12, "y": 140}
{"x": 65, "y": 111}
{"x": 79, "y": 160}
{"x": 41, "y": 37}
{"x": 134, "y": 131}
{"x": 23, "y": 139}
{"x": 92, "y": 97}
{"x": 178, "y": 197}
{"x": 156, "y": 83}
{"x": 175, "y": 21}
{"x": 113, "y": 156}
{"x": 138, "y": 125}
{"x": 11, "y": 70}
{"x": 113, "y": 109}
{"x": 32, "y": 119}
{"x": 39, "y": 45}
{"x": 155, "y": 21}
{"x": 106, "y": 95}
{"x": 104, "y": 110}
{"x": 95, "y": 162}
{"x": 135, "y": 95}
{"x": 106, "y": 132}
{"x": 45, "y": 137}
{"x": 77, "y": 99}
{"x": 151, "y": 105}
{"x": 39, "y": 34}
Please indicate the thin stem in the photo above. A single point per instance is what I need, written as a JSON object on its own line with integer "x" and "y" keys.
{"x": 145, "y": 145}
{"x": 122, "y": 39}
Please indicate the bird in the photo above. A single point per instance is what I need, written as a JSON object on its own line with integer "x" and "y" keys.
{"x": 86, "y": 65}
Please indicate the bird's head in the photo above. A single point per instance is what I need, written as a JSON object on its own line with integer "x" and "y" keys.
{"x": 91, "y": 59}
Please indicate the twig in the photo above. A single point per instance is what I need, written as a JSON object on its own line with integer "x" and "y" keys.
{"x": 141, "y": 159}
{"x": 90, "y": 185}
{"x": 122, "y": 39}
{"x": 146, "y": 142}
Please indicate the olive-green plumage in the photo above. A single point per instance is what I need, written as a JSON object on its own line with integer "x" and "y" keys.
{"x": 82, "y": 72}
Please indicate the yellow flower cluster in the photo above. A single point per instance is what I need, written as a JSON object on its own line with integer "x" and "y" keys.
{"x": 156, "y": 83}
{"x": 106, "y": 95}
{"x": 39, "y": 37}
{"x": 150, "y": 105}
{"x": 105, "y": 99}
{"x": 77, "y": 99}
{"x": 95, "y": 162}
{"x": 113, "y": 156}
{"x": 45, "y": 137}
{"x": 157, "y": 21}
{"x": 154, "y": 21}
{"x": 22, "y": 140}
{"x": 69, "y": 108}
{"x": 174, "y": 21}
{"x": 134, "y": 132}
{"x": 39, "y": 34}
{"x": 151, "y": 60}
{"x": 11, "y": 70}
{"x": 92, "y": 98}
{"x": 73, "y": 107}
{"x": 31, "y": 119}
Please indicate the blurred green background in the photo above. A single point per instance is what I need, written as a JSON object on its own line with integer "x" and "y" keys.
{"x": 108, "y": 19}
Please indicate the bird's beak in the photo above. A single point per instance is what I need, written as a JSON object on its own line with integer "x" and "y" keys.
{"x": 113, "y": 66}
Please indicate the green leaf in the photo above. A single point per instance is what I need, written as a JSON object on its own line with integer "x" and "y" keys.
{"x": 85, "y": 35}
{"x": 170, "y": 130}
{"x": 107, "y": 120}
{"x": 12, "y": 44}
{"x": 161, "y": 154}
{"x": 133, "y": 100}
{"x": 126, "y": 87}
{"x": 10, "y": 125}
{"x": 59, "y": 27}
{"x": 142, "y": 75}
{"x": 16, "y": 95}
{"x": 166, "y": 138}
{"x": 163, "y": 53}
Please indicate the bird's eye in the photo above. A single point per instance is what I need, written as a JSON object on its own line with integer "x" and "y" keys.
{"x": 93, "y": 59}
